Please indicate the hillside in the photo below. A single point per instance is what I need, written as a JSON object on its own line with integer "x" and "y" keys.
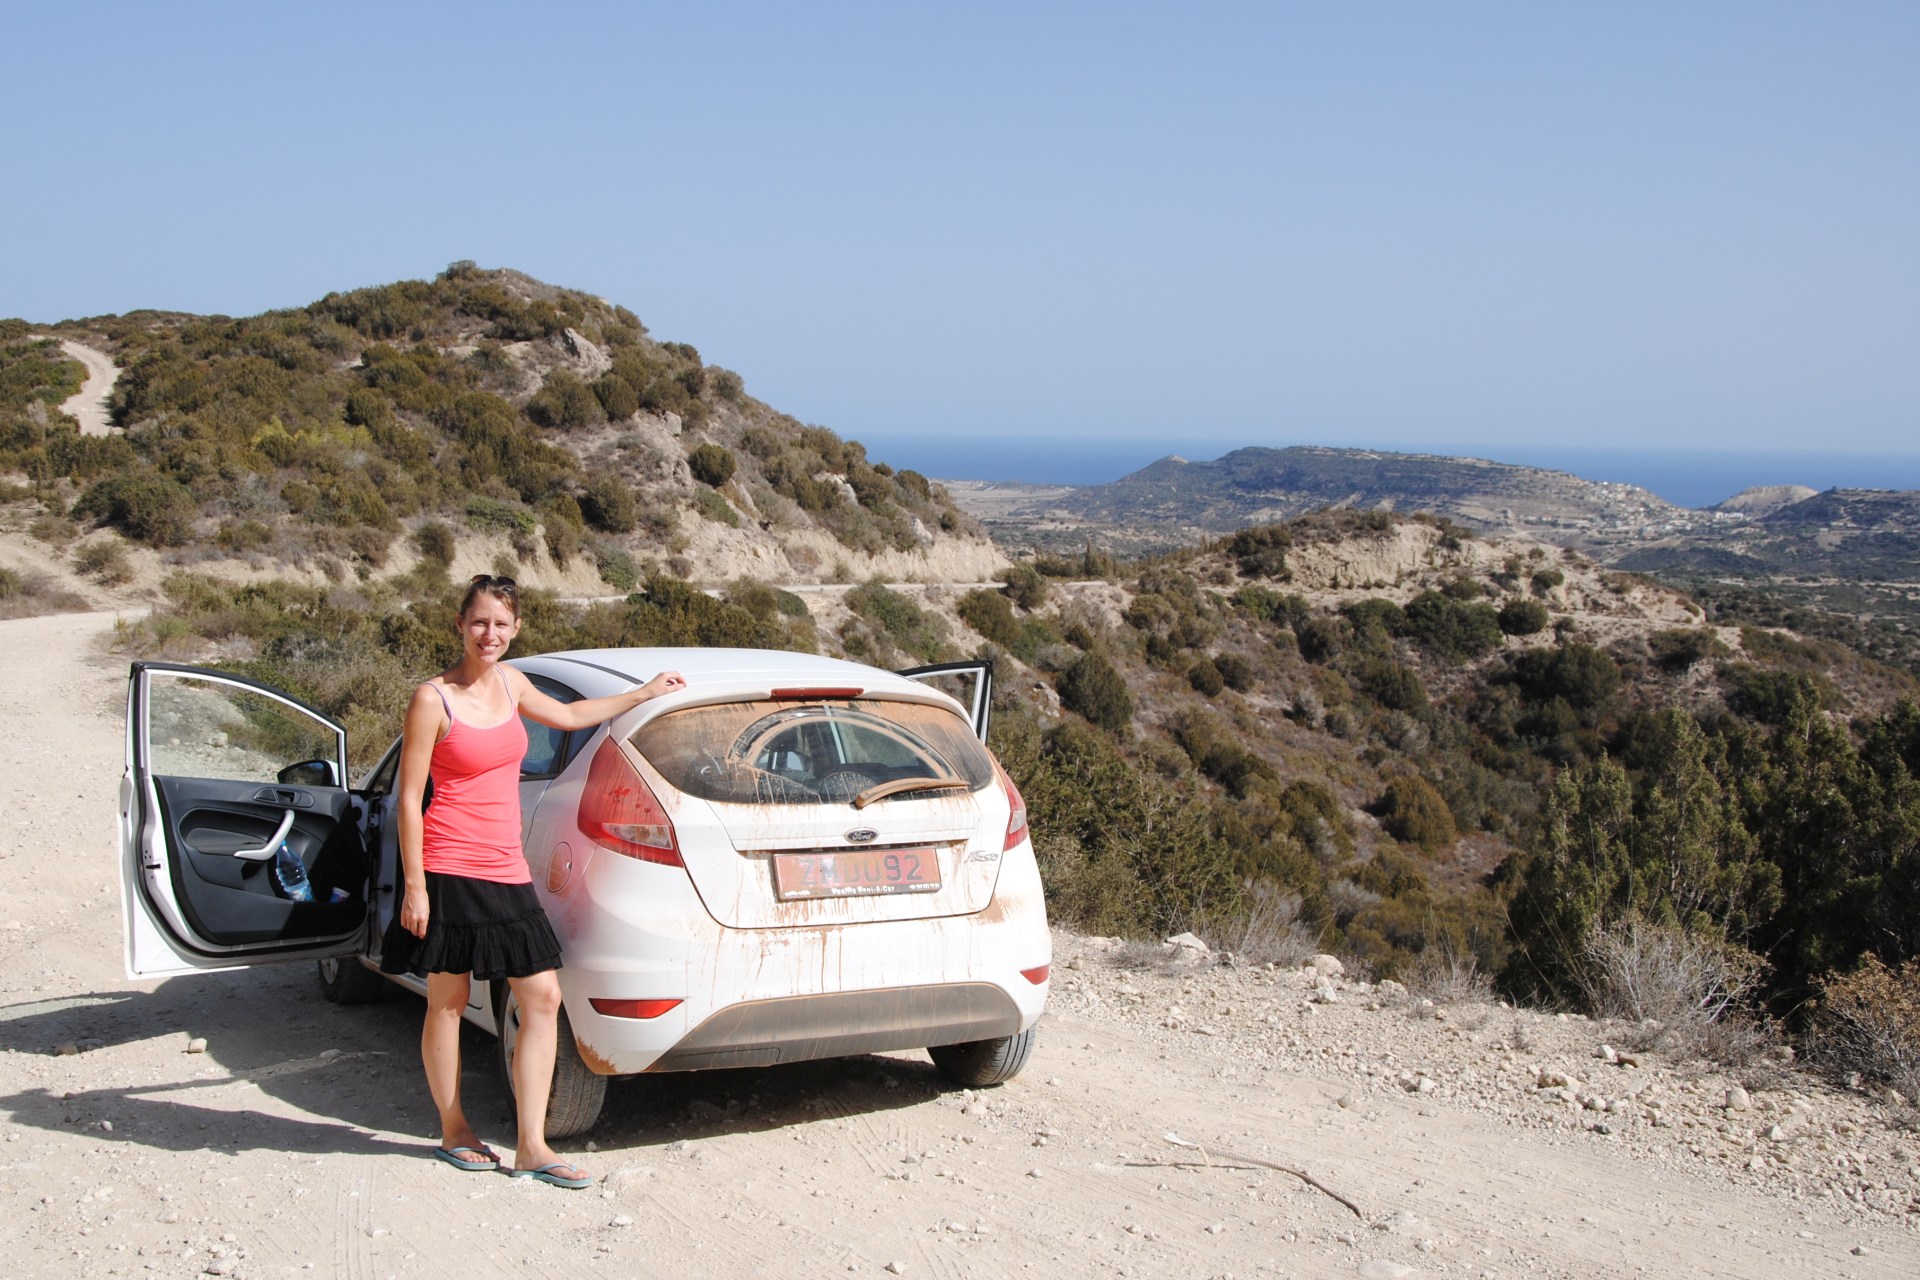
{"x": 1175, "y": 501}
{"x": 1847, "y": 561}
{"x": 482, "y": 421}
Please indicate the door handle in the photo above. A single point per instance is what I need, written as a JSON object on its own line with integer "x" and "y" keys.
{"x": 272, "y": 846}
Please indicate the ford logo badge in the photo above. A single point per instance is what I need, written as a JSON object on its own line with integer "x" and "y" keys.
{"x": 862, "y": 835}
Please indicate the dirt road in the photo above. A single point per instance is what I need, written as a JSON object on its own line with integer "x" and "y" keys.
{"x": 89, "y": 403}
{"x": 297, "y": 1142}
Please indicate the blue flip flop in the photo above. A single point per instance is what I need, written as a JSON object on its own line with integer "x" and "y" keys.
{"x": 545, "y": 1173}
{"x": 485, "y": 1162}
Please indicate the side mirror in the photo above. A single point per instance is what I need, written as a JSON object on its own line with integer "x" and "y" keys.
{"x": 310, "y": 773}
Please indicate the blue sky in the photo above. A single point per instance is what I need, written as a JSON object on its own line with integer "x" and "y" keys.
{"x": 1463, "y": 226}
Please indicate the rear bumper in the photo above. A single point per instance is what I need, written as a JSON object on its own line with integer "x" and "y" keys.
{"x": 761, "y": 1033}
{"x": 757, "y": 997}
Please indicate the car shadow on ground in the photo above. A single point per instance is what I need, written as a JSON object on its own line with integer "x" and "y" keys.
{"x": 354, "y": 1071}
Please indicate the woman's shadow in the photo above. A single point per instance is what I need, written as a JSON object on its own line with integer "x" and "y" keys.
{"x": 354, "y": 1073}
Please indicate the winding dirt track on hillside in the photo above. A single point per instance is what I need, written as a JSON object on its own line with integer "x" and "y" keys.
{"x": 300, "y": 1136}
{"x": 89, "y": 403}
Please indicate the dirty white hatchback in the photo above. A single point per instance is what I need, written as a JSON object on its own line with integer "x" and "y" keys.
{"x": 794, "y": 858}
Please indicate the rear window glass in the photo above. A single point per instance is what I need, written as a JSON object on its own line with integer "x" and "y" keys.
{"x": 816, "y": 752}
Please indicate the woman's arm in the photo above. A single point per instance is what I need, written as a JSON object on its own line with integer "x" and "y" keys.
{"x": 588, "y": 712}
{"x": 426, "y": 719}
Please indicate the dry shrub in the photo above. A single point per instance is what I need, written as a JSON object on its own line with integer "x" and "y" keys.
{"x": 1692, "y": 994}
{"x": 1869, "y": 1023}
{"x": 1137, "y": 955}
{"x": 105, "y": 561}
{"x": 1447, "y": 974}
{"x": 1270, "y": 931}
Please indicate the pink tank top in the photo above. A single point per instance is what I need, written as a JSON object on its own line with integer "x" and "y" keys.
{"x": 472, "y": 828}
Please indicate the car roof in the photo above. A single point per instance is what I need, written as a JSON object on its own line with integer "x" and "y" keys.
{"x": 713, "y": 671}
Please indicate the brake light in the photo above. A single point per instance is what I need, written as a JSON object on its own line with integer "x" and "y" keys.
{"x": 618, "y": 811}
{"x": 1035, "y": 976}
{"x": 632, "y": 1008}
{"x": 810, "y": 695}
{"x": 1017, "y": 819}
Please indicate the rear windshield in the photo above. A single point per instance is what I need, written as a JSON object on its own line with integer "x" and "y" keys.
{"x": 815, "y": 752}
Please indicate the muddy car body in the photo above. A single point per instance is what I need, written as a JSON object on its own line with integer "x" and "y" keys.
{"x": 793, "y": 858}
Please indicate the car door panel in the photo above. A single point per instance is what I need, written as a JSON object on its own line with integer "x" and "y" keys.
{"x": 231, "y": 898}
{"x": 204, "y": 809}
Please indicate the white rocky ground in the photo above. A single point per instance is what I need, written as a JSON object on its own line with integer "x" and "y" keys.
{"x": 295, "y": 1142}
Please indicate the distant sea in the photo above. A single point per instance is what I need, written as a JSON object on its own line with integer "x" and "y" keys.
{"x": 1687, "y": 478}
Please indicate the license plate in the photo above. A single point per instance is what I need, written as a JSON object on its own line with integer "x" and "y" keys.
{"x": 854, "y": 872}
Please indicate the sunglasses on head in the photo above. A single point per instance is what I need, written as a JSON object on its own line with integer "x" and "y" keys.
{"x": 492, "y": 582}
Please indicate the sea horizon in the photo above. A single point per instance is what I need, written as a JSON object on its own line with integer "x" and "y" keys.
{"x": 1685, "y": 477}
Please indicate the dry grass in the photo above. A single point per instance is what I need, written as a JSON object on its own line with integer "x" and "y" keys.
{"x": 31, "y": 595}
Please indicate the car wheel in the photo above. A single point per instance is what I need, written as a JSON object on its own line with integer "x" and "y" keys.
{"x": 577, "y": 1095}
{"x": 344, "y": 980}
{"x": 984, "y": 1062}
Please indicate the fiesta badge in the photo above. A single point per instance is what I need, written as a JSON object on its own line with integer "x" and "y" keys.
{"x": 862, "y": 835}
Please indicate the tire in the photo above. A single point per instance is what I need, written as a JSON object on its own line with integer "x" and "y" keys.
{"x": 577, "y": 1095}
{"x": 985, "y": 1062}
{"x": 344, "y": 980}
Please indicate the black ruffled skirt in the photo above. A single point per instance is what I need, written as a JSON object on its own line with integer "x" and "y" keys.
{"x": 481, "y": 927}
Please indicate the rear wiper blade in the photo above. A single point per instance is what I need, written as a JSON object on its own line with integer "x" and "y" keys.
{"x": 898, "y": 785}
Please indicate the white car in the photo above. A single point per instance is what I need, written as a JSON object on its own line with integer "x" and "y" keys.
{"x": 794, "y": 858}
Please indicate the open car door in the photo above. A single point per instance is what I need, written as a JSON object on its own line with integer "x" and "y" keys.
{"x": 970, "y": 682}
{"x": 221, "y": 772}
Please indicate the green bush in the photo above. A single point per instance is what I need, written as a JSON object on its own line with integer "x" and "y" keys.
{"x": 147, "y": 508}
{"x": 1393, "y": 684}
{"x": 617, "y": 397}
{"x": 1545, "y": 580}
{"x": 1091, "y": 687}
{"x": 1683, "y": 648}
{"x": 715, "y": 508}
{"x": 434, "y": 541}
{"x": 1451, "y": 629}
{"x": 1522, "y": 617}
{"x": 1236, "y": 671}
{"x": 1414, "y": 813}
{"x": 1025, "y": 585}
{"x": 989, "y": 613}
{"x": 1205, "y": 678}
{"x": 1262, "y": 552}
{"x": 608, "y": 504}
{"x": 1586, "y": 678}
{"x": 913, "y": 629}
{"x": 564, "y": 403}
{"x": 711, "y": 464}
{"x": 617, "y": 568}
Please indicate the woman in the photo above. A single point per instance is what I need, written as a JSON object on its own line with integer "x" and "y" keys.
{"x": 468, "y": 908}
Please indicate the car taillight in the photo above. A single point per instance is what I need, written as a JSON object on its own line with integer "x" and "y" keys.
{"x": 632, "y": 1008}
{"x": 618, "y": 811}
{"x": 1017, "y": 819}
{"x": 1036, "y": 975}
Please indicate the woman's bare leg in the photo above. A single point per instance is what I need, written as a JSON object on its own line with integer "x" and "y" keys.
{"x": 440, "y": 1054}
{"x": 538, "y": 996}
